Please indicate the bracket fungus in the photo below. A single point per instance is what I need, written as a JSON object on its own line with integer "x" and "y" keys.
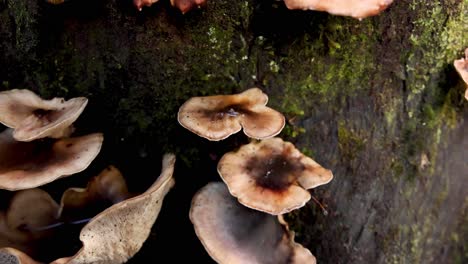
{"x": 217, "y": 117}
{"x": 186, "y": 5}
{"x": 13, "y": 256}
{"x": 234, "y": 234}
{"x": 117, "y": 233}
{"x": 271, "y": 176}
{"x": 27, "y": 212}
{"x": 139, "y": 4}
{"x": 354, "y": 8}
{"x": 33, "y": 117}
{"x": 30, "y": 164}
{"x": 461, "y": 66}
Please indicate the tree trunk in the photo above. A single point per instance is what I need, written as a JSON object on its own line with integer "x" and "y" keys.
{"x": 377, "y": 101}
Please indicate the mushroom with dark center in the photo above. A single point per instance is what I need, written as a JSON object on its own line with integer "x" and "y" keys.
{"x": 234, "y": 234}
{"x": 217, "y": 117}
{"x": 271, "y": 176}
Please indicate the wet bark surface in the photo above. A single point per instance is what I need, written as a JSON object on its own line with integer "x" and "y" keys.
{"x": 376, "y": 101}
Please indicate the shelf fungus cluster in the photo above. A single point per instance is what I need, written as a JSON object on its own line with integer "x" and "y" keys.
{"x": 37, "y": 149}
{"x": 354, "y": 8}
{"x": 240, "y": 220}
{"x": 183, "y": 5}
{"x": 461, "y": 66}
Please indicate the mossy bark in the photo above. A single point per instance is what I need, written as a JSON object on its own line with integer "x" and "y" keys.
{"x": 377, "y": 101}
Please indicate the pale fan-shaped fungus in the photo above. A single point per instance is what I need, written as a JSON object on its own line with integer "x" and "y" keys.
{"x": 186, "y": 5}
{"x": 217, "y": 117}
{"x": 30, "y": 164}
{"x": 21, "y": 224}
{"x": 117, "y": 233}
{"x": 33, "y": 117}
{"x": 139, "y": 4}
{"x": 271, "y": 176}
{"x": 461, "y": 66}
{"x": 354, "y": 8}
{"x": 234, "y": 234}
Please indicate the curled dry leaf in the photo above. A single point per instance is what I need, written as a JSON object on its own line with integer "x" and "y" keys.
{"x": 271, "y": 176}
{"x": 186, "y": 5}
{"x": 217, "y": 117}
{"x": 117, "y": 233}
{"x": 33, "y": 118}
{"x": 30, "y": 164}
{"x": 461, "y": 66}
{"x": 354, "y": 8}
{"x": 234, "y": 234}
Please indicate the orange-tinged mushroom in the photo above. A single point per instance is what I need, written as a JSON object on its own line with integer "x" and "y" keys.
{"x": 354, "y": 8}
{"x": 139, "y": 4}
{"x": 117, "y": 233}
{"x": 30, "y": 164}
{"x": 461, "y": 66}
{"x": 217, "y": 117}
{"x": 271, "y": 176}
{"x": 33, "y": 117}
{"x": 234, "y": 234}
{"x": 186, "y": 5}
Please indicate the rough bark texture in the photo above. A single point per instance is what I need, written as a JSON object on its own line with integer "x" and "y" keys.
{"x": 373, "y": 100}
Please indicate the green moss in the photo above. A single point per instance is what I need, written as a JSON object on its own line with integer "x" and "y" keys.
{"x": 350, "y": 142}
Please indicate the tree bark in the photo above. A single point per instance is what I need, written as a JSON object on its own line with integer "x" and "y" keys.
{"x": 377, "y": 101}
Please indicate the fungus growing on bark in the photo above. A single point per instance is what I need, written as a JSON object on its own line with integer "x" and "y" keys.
{"x": 217, "y": 117}
{"x": 461, "y": 66}
{"x": 139, "y": 4}
{"x": 108, "y": 187}
{"x": 20, "y": 224}
{"x": 117, "y": 233}
{"x": 354, "y": 8}
{"x": 186, "y": 5}
{"x": 13, "y": 256}
{"x": 271, "y": 176}
{"x": 33, "y": 117}
{"x": 232, "y": 233}
{"x": 30, "y": 164}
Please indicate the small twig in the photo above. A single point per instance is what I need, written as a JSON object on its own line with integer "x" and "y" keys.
{"x": 325, "y": 212}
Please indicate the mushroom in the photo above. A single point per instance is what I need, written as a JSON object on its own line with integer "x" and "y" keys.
{"x": 139, "y": 4}
{"x": 30, "y": 164}
{"x": 33, "y": 117}
{"x": 108, "y": 187}
{"x": 186, "y": 5}
{"x": 354, "y": 8}
{"x": 271, "y": 176}
{"x": 461, "y": 66}
{"x": 13, "y": 256}
{"x": 234, "y": 234}
{"x": 117, "y": 233}
{"x": 217, "y": 117}
{"x": 20, "y": 225}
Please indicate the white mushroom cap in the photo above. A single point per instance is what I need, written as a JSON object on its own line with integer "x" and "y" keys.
{"x": 461, "y": 66}
{"x": 33, "y": 117}
{"x": 234, "y": 234}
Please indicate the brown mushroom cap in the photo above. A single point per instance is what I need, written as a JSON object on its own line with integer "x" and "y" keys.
{"x": 271, "y": 176}
{"x": 354, "y": 8}
{"x": 109, "y": 187}
{"x": 234, "y": 234}
{"x": 117, "y": 233}
{"x": 13, "y": 256}
{"x": 33, "y": 117}
{"x": 28, "y": 211}
{"x": 186, "y": 5}
{"x": 461, "y": 66}
{"x": 30, "y": 164}
{"x": 139, "y": 4}
{"x": 217, "y": 117}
